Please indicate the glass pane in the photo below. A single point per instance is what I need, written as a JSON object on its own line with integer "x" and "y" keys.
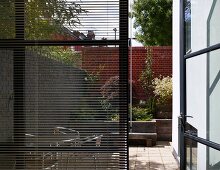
{"x": 191, "y": 154}
{"x": 7, "y": 19}
{"x": 188, "y": 24}
{"x": 6, "y": 95}
{"x": 213, "y": 96}
{"x": 201, "y": 157}
{"x": 201, "y": 24}
{"x": 72, "y": 20}
{"x": 62, "y": 19}
{"x": 203, "y": 89}
{"x": 71, "y": 110}
{"x": 214, "y": 23}
{"x": 196, "y": 88}
{"x": 214, "y": 157}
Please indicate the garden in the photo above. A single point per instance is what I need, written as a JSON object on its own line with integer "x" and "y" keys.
{"x": 151, "y": 119}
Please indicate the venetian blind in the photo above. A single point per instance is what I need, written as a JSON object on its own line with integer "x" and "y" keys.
{"x": 63, "y": 84}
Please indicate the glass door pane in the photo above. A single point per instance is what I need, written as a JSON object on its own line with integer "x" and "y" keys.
{"x": 191, "y": 154}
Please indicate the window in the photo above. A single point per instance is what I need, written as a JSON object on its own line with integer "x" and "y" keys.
{"x": 63, "y": 86}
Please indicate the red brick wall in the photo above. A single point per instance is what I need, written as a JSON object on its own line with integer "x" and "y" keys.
{"x": 161, "y": 65}
{"x": 108, "y": 57}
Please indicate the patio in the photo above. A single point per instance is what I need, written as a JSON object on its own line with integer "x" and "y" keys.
{"x": 159, "y": 157}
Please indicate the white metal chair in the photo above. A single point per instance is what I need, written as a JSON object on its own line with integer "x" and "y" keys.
{"x": 71, "y": 137}
{"x": 36, "y": 159}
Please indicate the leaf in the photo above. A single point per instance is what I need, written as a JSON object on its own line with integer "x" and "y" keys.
{"x": 153, "y": 18}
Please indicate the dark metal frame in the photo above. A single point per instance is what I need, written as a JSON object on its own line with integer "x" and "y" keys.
{"x": 19, "y": 81}
{"x": 123, "y": 74}
{"x": 183, "y": 115}
{"x": 18, "y": 45}
{"x": 182, "y": 87}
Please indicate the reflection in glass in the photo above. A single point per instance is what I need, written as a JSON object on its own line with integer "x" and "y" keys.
{"x": 7, "y": 20}
{"x": 62, "y": 19}
{"x": 213, "y": 23}
{"x": 71, "y": 100}
{"x": 188, "y": 25}
{"x": 214, "y": 162}
{"x": 191, "y": 154}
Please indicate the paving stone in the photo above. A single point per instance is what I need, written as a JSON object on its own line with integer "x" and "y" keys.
{"x": 143, "y": 158}
{"x": 153, "y": 158}
{"x": 142, "y": 155}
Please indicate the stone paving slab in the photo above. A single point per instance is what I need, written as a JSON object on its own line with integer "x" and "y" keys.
{"x": 159, "y": 157}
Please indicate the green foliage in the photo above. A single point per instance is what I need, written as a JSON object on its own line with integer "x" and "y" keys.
{"x": 95, "y": 75}
{"x": 43, "y": 18}
{"x": 106, "y": 105}
{"x": 141, "y": 114}
{"x": 65, "y": 55}
{"x": 151, "y": 105}
{"x": 147, "y": 73}
{"x": 110, "y": 97}
{"x": 7, "y": 26}
{"x": 163, "y": 89}
{"x": 115, "y": 117}
{"x": 153, "y": 21}
{"x": 110, "y": 109}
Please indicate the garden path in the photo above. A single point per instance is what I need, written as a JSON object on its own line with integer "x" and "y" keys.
{"x": 159, "y": 157}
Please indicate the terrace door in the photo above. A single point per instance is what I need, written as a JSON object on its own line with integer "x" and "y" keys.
{"x": 200, "y": 71}
{"x": 63, "y": 84}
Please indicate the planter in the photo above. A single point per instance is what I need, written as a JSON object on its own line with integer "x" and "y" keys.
{"x": 144, "y": 126}
{"x": 163, "y": 115}
{"x": 164, "y": 129}
{"x": 143, "y": 133}
{"x": 164, "y": 111}
{"x": 148, "y": 132}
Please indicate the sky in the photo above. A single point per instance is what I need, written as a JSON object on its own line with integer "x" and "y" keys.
{"x": 131, "y": 29}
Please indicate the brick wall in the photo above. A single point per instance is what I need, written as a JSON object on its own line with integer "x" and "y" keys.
{"x": 161, "y": 65}
{"x": 101, "y": 60}
{"x": 93, "y": 57}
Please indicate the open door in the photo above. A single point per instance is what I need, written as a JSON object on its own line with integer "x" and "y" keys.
{"x": 200, "y": 86}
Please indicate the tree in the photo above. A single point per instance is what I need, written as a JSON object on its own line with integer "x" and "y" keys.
{"x": 43, "y": 18}
{"x": 153, "y": 21}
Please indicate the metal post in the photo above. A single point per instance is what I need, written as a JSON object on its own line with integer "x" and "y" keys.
{"x": 115, "y": 29}
{"x": 19, "y": 75}
{"x": 182, "y": 87}
{"x": 123, "y": 80}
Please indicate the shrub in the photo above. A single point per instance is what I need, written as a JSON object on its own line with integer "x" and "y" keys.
{"x": 146, "y": 75}
{"x": 162, "y": 89}
{"x": 143, "y": 114}
{"x": 151, "y": 105}
{"x": 94, "y": 76}
{"x": 110, "y": 97}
